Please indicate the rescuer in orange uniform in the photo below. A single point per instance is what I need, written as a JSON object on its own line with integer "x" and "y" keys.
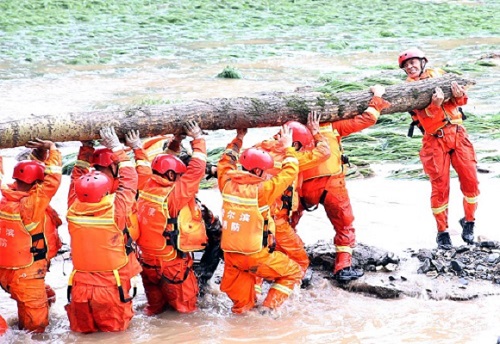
{"x": 28, "y": 235}
{"x": 445, "y": 142}
{"x": 248, "y": 226}
{"x": 172, "y": 226}
{"x": 102, "y": 249}
{"x": 312, "y": 149}
{"x": 325, "y": 184}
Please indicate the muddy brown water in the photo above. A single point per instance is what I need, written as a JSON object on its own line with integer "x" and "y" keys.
{"x": 390, "y": 214}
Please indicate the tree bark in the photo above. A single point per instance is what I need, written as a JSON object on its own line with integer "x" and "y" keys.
{"x": 270, "y": 109}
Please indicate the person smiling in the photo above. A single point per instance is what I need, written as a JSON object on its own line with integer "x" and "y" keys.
{"x": 445, "y": 141}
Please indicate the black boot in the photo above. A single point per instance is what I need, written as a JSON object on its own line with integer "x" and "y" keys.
{"x": 348, "y": 274}
{"x": 444, "y": 241}
{"x": 307, "y": 279}
{"x": 467, "y": 230}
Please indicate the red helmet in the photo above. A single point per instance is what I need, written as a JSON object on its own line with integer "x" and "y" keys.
{"x": 300, "y": 133}
{"x": 255, "y": 158}
{"x": 29, "y": 171}
{"x": 103, "y": 157}
{"x": 165, "y": 162}
{"x": 92, "y": 187}
{"x": 409, "y": 54}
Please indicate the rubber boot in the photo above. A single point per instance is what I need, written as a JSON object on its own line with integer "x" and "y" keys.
{"x": 307, "y": 279}
{"x": 467, "y": 230}
{"x": 444, "y": 241}
{"x": 348, "y": 274}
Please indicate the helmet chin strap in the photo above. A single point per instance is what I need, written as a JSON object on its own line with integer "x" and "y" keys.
{"x": 422, "y": 67}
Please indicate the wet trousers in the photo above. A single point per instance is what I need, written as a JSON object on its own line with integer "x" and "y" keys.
{"x": 241, "y": 271}
{"x": 450, "y": 146}
{"x": 289, "y": 242}
{"x": 169, "y": 283}
{"x": 98, "y": 307}
{"x": 339, "y": 211}
{"x": 27, "y": 287}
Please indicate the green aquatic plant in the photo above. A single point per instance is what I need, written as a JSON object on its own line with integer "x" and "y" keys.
{"x": 229, "y": 73}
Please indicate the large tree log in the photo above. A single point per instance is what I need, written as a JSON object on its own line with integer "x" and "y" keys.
{"x": 264, "y": 110}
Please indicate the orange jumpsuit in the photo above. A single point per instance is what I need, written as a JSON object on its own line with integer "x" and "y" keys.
{"x": 325, "y": 184}
{"x": 26, "y": 284}
{"x": 446, "y": 142}
{"x": 95, "y": 303}
{"x": 241, "y": 270}
{"x": 3, "y": 325}
{"x": 287, "y": 239}
{"x": 167, "y": 276}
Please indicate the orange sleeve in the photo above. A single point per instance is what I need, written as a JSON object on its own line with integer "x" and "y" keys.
{"x": 33, "y": 207}
{"x": 127, "y": 187}
{"x": 459, "y": 101}
{"x": 186, "y": 187}
{"x": 228, "y": 161}
{"x": 312, "y": 158}
{"x": 142, "y": 167}
{"x": 273, "y": 188}
{"x": 82, "y": 166}
{"x": 368, "y": 118}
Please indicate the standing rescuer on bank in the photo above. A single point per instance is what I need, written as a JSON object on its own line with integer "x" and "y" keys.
{"x": 445, "y": 142}
{"x": 28, "y": 235}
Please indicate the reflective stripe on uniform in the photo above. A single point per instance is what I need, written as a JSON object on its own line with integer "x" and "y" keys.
{"x": 281, "y": 288}
{"x": 345, "y": 249}
{"x": 142, "y": 163}
{"x": 29, "y": 227}
{"x": 372, "y": 111}
{"x": 82, "y": 164}
{"x": 199, "y": 155}
{"x": 125, "y": 164}
{"x": 258, "y": 288}
{"x": 440, "y": 209}
{"x": 471, "y": 200}
{"x": 7, "y": 216}
{"x": 151, "y": 197}
{"x": 85, "y": 220}
{"x": 240, "y": 200}
{"x": 291, "y": 160}
{"x": 52, "y": 169}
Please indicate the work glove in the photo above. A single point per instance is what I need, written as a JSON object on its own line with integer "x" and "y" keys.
{"x": 133, "y": 140}
{"x": 193, "y": 129}
{"x": 109, "y": 139}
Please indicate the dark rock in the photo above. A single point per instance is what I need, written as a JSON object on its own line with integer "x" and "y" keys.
{"x": 462, "y": 249}
{"x": 424, "y": 254}
{"x": 425, "y": 267}
{"x": 439, "y": 264}
{"x": 457, "y": 265}
{"x": 493, "y": 258}
{"x": 489, "y": 244}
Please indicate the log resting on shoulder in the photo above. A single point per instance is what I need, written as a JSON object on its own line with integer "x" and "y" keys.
{"x": 264, "y": 110}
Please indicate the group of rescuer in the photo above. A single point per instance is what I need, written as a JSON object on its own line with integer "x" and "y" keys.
{"x": 141, "y": 216}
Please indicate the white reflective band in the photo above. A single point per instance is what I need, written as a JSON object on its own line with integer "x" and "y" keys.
{"x": 257, "y": 289}
{"x": 200, "y": 155}
{"x": 326, "y": 129}
{"x": 8, "y": 216}
{"x": 82, "y": 164}
{"x": 439, "y": 210}
{"x": 239, "y": 200}
{"x": 151, "y": 197}
{"x": 264, "y": 208}
{"x": 278, "y": 164}
{"x": 471, "y": 200}
{"x": 126, "y": 164}
{"x": 31, "y": 226}
{"x": 281, "y": 288}
{"x": 291, "y": 160}
{"x": 372, "y": 111}
{"x": 142, "y": 163}
{"x": 50, "y": 169}
{"x": 84, "y": 220}
{"x": 345, "y": 249}
{"x": 456, "y": 121}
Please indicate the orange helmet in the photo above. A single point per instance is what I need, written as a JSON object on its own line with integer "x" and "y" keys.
{"x": 92, "y": 187}
{"x": 103, "y": 157}
{"x": 253, "y": 158}
{"x": 166, "y": 162}
{"x": 409, "y": 54}
{"x": 300, "y": 133}
{"x": 29, "y": 171}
